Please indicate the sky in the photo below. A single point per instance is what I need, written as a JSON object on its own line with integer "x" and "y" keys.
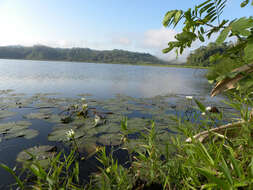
{"x": 134, "y": 25}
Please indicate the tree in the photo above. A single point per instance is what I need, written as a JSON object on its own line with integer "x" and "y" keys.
{"x": 202, "y": 22}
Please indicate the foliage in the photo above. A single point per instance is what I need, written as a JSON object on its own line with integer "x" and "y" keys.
{"x": 62, "y": 173}
{"x": 201, "y": 56}
{"x": 39, "y": 52}
{"x": 220, "y": 163}
{"x": 202, "y": 22}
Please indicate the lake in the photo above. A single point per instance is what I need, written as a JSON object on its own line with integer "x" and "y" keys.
{"x": 151, "y": 88}
{"x": 101, "y": 80}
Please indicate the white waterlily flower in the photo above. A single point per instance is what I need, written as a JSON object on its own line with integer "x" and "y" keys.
{"x": 84, "y": 106}
{"x": 70, "y": 134}
{"x": 188, "y": 97}
{"x": 208, "y": 108}
{"x": 203, "y": 113}
{"x": 97, "y": 119}
{"x": 83, "y": 99}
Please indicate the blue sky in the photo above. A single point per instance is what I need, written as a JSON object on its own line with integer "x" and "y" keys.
{"x": 134, "y": 25}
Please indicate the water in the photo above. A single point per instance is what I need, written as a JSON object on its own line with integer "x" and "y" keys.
{"x": 101, "y": 80}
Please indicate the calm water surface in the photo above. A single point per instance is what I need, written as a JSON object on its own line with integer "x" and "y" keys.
{"x": 101, "y": 80}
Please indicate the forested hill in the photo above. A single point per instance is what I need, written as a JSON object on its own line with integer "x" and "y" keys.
{"x": 39, "y": 52}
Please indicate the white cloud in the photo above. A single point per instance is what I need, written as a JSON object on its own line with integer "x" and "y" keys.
{"x": 124, "y": 41}
{"x": 155, "y": 40}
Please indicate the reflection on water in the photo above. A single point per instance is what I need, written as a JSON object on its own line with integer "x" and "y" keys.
{"x": 101, "y": 80}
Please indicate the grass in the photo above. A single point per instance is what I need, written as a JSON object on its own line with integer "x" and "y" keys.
{"x": 220, "y": 163}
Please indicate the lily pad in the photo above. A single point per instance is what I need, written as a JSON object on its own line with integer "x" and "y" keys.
{"x": 59, "y": 133}
{"x": 17, "y": 129}
{"x": 5, "y": 114}
{"x": 6, "y": 91}
{"x": 43, "y": 154}
{"x": 26, "y": 133}
{"x": 38, "y": 115}
{"x": 109, "y": 139}
{"x": 87, "y": 145}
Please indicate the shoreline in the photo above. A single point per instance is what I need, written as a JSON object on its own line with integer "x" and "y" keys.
{"x": 140, "y": 64}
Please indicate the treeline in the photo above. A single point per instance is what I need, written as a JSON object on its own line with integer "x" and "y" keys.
{"x": 201, "y": 56}
{"x": 39, "y": 52}
{"x": 220, "y": 59}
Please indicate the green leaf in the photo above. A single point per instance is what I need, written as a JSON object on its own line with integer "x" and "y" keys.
{"x": 202, "y": 30}
{"x": 166, "y": 50}
{"x": 201, "y": 38}
{"x": 202, "y": 4}
{"x": 20, "y": 183}
{"x": 206, "y": 154}
{"x": 244, "y": 3}
{"x": 208, "y": 185}
{"x": 235, "y": 163}
{"x": 205, "y": 8}
{"x": 239, "y": 26}
{"x": 210, "y": 175}
{"x": 177, "y": 17}
{"x": 200, "y": 105}
{"x": 168, "y": 17}
{"x": 248, "y": 50}
{"x": 226, "y": 172}
{"x": 223, "y": 35}
{"x": 185, "y": 36}
{"x": 251, "y": 167}
{"x": 241, "y": 184}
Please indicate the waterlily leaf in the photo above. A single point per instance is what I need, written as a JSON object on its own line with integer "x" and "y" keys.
{"x": 54, "y": 118}
{"x": 45, "y": 111}
{"x": 41, "y": 153}
{"x": 26, "y": 133}
{"x": 11, "y": 127}
{"x": 87, "y": 145}
{"x": 134, "y": 145}
{"x": 138, "y": 123}
{"x": 5, "y": 114}
{"x": 116, "y": 108}
{"x": 114, "y": 118}
{"x": 109, "y": 139}
{"x": 17, "y": 129}
{"x": 59, "y": 133}
{"x": 84, "y": 94}
{"x": 6, "y": 91}
{"x": 38, "y": 115}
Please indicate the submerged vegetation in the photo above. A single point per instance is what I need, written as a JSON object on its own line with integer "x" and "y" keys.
{"x": 167, "y": 146}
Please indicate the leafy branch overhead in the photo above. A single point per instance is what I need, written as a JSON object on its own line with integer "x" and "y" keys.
{"x": 203, "y": 21}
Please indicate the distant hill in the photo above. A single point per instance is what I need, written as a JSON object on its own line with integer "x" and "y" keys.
{"x": 40, "y": 52}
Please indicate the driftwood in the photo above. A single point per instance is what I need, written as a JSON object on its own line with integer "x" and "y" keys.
{"x": 224, "y": 85}
{"x": 202, "y": 136}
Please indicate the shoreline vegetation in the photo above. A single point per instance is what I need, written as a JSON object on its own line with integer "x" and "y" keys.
{"x": 86, "y": 55}
{"x": 139, "y": 64}
{"x": 40, "y": 52}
